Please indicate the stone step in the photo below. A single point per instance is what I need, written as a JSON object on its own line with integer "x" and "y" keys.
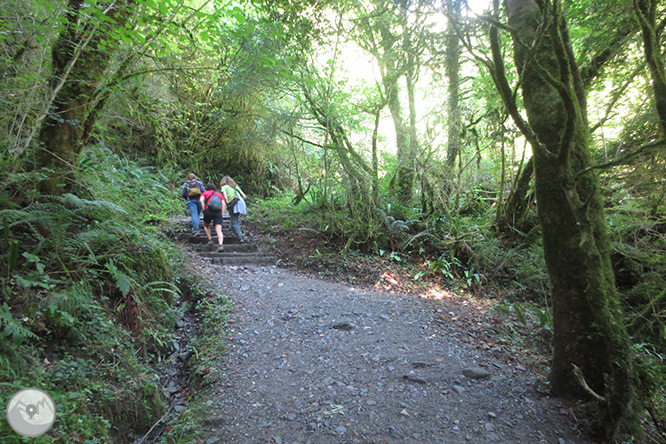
{"x": 204, "y": 240}
{"x": 227, "y": 254}
{"x": 242, "y": 259}
{"x": 228, "y": 248}
{"x": 202, "y": 233}
{"x": 234, "y": 252}
{"x": 187, "y": 222}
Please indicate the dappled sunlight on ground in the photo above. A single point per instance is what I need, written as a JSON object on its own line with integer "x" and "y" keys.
{"x": 437, "y": 294}
{"x": 387, "y": 281}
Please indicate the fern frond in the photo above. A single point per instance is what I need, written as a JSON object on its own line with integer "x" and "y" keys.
{"x": 77, "y": 202}
{"x": 12, "y": 327}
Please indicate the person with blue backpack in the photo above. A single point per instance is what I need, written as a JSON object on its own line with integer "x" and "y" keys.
{"x": 191, "y": 192}
{"x": 214, "y": 205}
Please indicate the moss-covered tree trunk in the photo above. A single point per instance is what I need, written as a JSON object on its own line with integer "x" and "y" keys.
{"x": 646, "y": 13}
{"x": 452, "y": 70}
{"x": 588, "y": 326}
{"x": 77, "y": 69}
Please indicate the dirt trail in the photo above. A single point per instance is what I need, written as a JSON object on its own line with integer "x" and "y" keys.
{"x": 316, "y": 362}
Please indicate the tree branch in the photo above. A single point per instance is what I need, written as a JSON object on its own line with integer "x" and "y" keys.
{"x": 498, "y": 73}
{"x": 297, "y": 137}
{"x": 645, "y": 149}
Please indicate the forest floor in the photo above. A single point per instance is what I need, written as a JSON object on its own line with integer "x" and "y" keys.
{"x": 328, "y": 349}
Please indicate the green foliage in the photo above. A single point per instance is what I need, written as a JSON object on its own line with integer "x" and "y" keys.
{"x": 652, "y": 365}
{"x": 519, "y": 269}
{"x": 86, "y": 299}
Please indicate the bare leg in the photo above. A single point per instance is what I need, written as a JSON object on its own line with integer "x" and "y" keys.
{"x": 208, "y": 234}
{"x": 220, "y": 237}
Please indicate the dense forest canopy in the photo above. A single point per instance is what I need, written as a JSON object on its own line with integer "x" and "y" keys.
{"x": 477, "y": 136}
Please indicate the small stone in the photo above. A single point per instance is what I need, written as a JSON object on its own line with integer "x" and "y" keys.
{"x": 492, "y": 415}
{"x": 179, "y": 408}
{"x": 212, "y": 440}
{"x": 415, "y": 379}
{"x": 311, "y": 427}
{"x": 458, "y": 389}
{"x": 277, "y": 440}
{"x": 489, "y": 427}
{"x": 341, "y": 430}
{"x": 371, "y": 402}
{"x": 476, "y": 373}
{"x": 404, "y": 413}
{"x": 345, "y": 326}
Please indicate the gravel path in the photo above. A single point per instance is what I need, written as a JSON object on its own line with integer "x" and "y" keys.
{"x": 316, "y": 362}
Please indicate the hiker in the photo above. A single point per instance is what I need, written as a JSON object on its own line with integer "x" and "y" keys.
{"x": 191, "y": 192}
{"x": 233, "y": 194}
{"x": 213, "y": 204}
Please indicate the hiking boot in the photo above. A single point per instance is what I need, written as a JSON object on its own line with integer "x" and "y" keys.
{"x": 220, "y": 248}
{"x": 210, "y": 242}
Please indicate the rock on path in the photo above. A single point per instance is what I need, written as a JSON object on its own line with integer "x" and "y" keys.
{"x": 315, "y": 362}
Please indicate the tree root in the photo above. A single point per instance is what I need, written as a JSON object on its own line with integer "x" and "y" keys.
{"x": 581, "y": 380}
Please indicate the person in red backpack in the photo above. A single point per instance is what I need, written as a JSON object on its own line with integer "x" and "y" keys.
{"x": 214, "y": 205}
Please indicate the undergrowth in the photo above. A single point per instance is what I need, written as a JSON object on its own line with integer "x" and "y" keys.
{"x": 86, "y": 305}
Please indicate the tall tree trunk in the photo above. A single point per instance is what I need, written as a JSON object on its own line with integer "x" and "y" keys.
{"x": 589, "y": 333}
{"x": 404, "y": 174}
{"x": 392, "y": 69}
{"x": 646, "y": 11}
{"x": 78, "y": 61}
{"x": 397, "y": 56}
{"x": 453, "y": 52}
{"x": 375, "y": 156}
{"x": 413, "y": 145}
